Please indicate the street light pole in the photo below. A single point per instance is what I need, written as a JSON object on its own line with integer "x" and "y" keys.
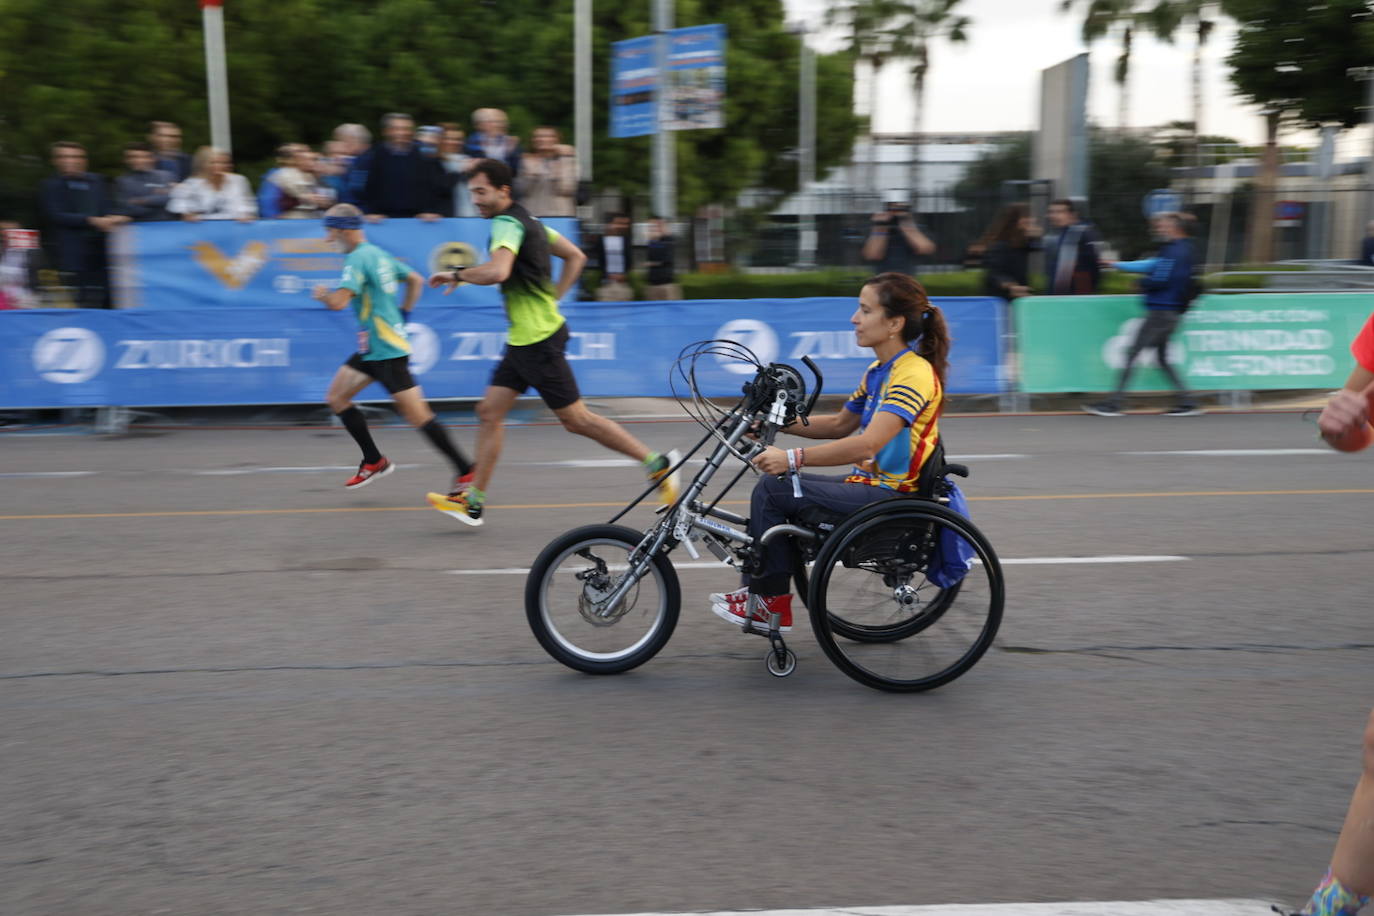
{"x": 806, "y": 150}
{"x": 665, "y": 159}
{"x": 582, "y": 87}
{"x": 216, "y": 75}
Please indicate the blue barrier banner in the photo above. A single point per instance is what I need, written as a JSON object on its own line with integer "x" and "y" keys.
{"x": 275, "y": 263}
{"x": 149, "y": 358}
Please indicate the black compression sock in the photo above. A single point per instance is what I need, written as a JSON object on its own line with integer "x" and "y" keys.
{"x": 438, "y": 434}
{"x": 356, "y": 424}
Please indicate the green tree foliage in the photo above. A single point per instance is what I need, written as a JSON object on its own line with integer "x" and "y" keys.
{"x": 1295, "y": 58}
{"x": 101, "y": 69}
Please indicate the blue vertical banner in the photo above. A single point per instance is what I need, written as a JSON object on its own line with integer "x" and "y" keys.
{"x": 634, "y": 80}
{"x": 694, "y": 92}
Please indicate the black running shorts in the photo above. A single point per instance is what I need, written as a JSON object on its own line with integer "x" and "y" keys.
{"x": 393, "y": 374}
{"x": 541, "y": 366}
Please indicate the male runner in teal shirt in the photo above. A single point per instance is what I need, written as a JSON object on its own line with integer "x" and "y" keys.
{"x": 521, "y": 247}
{"x": 370, "y": 281}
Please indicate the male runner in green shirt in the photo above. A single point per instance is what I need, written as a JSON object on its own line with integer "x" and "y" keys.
{"x": 521, "y": 247}
{"x": 370, "y": 281}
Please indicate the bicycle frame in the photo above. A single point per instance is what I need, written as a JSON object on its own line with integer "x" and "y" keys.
{"x": 688, "y": 520}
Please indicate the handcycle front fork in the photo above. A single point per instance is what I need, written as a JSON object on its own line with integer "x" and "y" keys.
{"x": 779, "y": 660}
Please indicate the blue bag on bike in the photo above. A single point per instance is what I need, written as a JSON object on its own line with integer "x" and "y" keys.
{"x": 953, "y": 556}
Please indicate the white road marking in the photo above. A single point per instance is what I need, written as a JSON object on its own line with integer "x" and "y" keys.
{"x": 584, "y": 463}
{"x": 1239, "y": 452}
{"x": 236, "y": 472}
{"x": 1013, "y": 561}
{"x": 1070, "y": 561}
{"x": 1087, "y": 908}
{"x": 49, "y": 474}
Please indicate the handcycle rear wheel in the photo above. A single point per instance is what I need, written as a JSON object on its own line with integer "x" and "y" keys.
{"x": 889, "y": 632}
{"x": 871, "y": 580}
{"x": 566, "y": 601}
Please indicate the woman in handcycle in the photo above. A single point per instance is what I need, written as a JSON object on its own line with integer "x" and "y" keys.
{"x": 896, "y": 412}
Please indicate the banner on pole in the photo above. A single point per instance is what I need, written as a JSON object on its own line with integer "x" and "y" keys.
{"x": 693, "y": 94}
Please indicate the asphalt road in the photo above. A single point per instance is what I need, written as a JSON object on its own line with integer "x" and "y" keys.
{"x": 229, "y": 686}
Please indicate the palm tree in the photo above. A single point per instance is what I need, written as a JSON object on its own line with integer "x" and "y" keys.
{"x": 922, "y": 23}
{"x": 870, "y": 35}
{"x": 1101, "y": 17}
{"x": 878, "y": 32}
{"x": 1166, "y": 18}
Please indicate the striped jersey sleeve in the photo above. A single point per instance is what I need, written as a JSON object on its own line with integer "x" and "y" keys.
{"x": 909, "y": 390}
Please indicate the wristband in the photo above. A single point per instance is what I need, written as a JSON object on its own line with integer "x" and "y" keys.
{"x": 792, "y": 466}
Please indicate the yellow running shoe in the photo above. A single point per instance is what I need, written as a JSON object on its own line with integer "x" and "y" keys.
{"x": 662, "y": 469}
{"x": 457, "y": 505}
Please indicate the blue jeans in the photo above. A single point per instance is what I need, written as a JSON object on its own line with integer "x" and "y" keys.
{"x": 772, "y": 503}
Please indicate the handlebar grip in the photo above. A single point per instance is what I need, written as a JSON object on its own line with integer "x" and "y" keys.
{"x": 820, "y": 381}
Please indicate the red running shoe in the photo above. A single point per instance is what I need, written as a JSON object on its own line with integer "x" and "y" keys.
{"x": 370, "y": 472}
{"x": 757, "y": 609}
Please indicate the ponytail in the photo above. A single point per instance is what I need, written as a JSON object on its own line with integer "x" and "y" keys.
{"x": 902, "y": 297}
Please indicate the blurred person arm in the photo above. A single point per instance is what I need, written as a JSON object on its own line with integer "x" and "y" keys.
{"x": 919, "y": 242}
{"x": 490, "y": 273}
{"x": 875, "y": 246}
{"x": 909, "y": 393}
{"x": 242, "y": 203}
{"x": 836, "y": 426}
{"x": 434, "y": 204}
{"x": 1145, "y": 266}
{"x": 350, "y": 285}
{"x": 1349, "y": 407}
{"x": 333, "y": 299}
{"x": 50, "y": 198}
{"x": 182, "y": 201}
{"x": 573, "y": 262}
{"x": 881, "y": 430}
{"x": 415, "y": 284}
{"x": 565, "y": 171}
{"x": 370, "y": 200}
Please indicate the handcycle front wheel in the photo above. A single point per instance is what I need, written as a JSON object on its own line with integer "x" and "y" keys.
{"x": 566, "y": 600}
{"x": 878, "y": 615}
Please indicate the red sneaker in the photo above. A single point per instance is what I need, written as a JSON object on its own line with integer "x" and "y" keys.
{"x": 757, "y": 609}
{"x": 462, "y": 483}
{"x": 370, "y": 472}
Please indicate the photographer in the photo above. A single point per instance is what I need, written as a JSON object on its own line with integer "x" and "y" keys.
{"x": 894, "y": 241}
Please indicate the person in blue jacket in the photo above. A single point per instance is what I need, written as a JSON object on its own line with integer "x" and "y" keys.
{"x": 1169, "y": 290}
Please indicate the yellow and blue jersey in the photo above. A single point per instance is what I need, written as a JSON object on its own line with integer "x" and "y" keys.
{"x": 907, "y": 386}
{"x": 373, "y": 276}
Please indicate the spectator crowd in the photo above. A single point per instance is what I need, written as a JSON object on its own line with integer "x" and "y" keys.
{"x": 411, "y": 172}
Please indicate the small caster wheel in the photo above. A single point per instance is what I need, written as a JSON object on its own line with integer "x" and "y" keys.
{"x": 789, "y": 663}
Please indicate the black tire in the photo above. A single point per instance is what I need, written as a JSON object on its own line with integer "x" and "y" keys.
{"x": 892, "y": 632}
{"x": 848, "y": 578}
{"x": 542, "y": 609}
{"x": 861, "y": 633}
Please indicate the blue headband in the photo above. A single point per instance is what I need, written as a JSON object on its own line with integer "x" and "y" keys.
{"x": 343, "y": 222}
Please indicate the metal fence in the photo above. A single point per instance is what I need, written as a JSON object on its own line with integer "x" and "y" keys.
{"x": 1316, "y": 224}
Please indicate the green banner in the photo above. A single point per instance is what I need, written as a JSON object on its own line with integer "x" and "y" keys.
{"x": 1245, "y": 342}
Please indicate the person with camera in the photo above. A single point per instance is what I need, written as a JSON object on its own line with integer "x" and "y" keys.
{"x": 894, "y": 240}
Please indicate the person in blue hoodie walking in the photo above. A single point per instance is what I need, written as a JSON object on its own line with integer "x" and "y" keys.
{"x": 1169, "y": 290}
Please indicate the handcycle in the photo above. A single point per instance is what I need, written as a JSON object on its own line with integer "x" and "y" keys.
{"x": 604, "y": 599}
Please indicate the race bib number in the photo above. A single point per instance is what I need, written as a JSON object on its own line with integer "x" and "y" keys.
{"x": 364, "y": 345}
